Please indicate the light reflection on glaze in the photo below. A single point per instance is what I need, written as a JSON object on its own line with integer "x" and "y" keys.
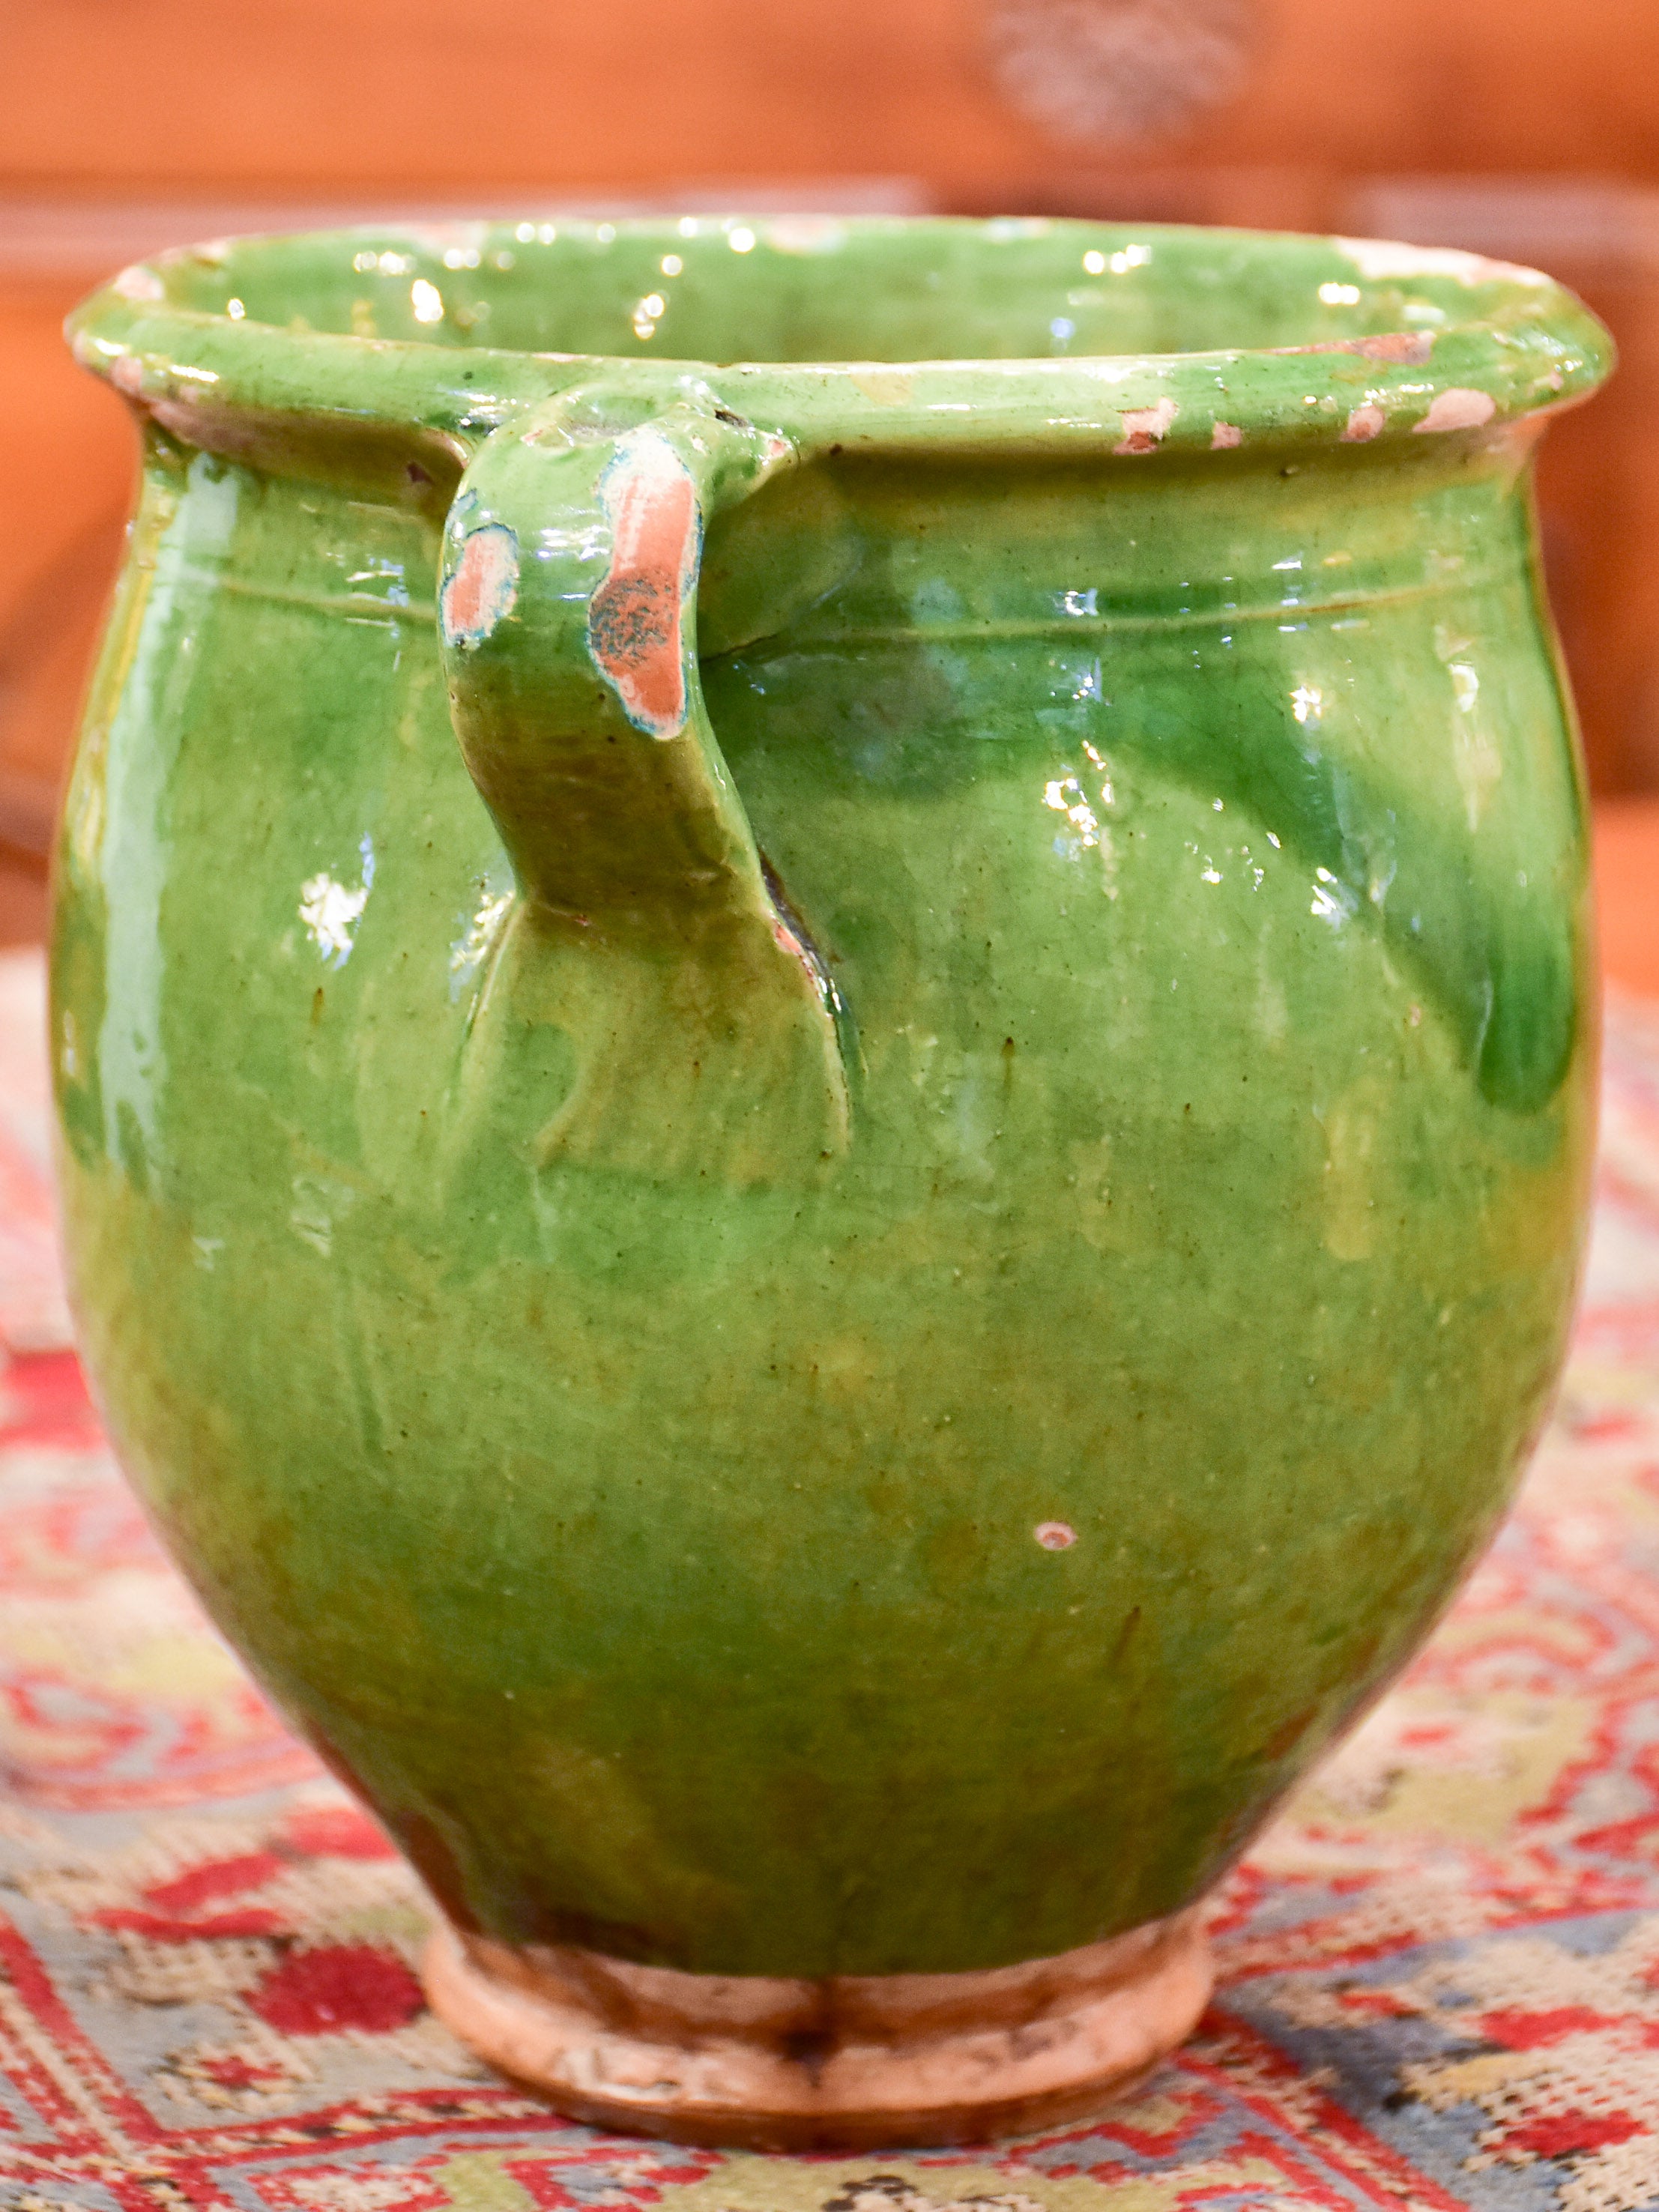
{"x": 330, "y": 911}
{"x": 470, "y": 949}
{"x": 1307, "y": 702}
{"x": 1333, "y": 901}
{"x": 647, "y": 313}
{"x": 1064, "y": 794}
{"x": 136, "y": 843}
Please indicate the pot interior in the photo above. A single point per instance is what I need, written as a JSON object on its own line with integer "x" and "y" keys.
{"x": 796, "y": 289}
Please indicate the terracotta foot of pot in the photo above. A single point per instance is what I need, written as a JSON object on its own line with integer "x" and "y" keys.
{"x": 860, "y": 2063}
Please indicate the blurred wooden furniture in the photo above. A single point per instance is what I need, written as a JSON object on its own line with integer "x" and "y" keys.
{"x": 316, "y": 96}
{"x": 66, "y": 462}
{"x": 1627, "y": 892}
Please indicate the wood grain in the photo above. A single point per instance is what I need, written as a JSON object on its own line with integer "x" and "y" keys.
{"x": 327, "y": 92}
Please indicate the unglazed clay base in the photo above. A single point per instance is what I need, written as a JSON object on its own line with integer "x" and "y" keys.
{"x": 849, "y": 2062}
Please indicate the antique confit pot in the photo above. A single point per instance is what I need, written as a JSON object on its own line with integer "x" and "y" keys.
{"x": 825, "y": 1046}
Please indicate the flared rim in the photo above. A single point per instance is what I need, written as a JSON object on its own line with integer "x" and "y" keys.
{"x": 1427, "y": 343}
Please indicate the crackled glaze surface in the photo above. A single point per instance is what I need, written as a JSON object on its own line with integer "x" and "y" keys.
{"x": 822, "y": 1303}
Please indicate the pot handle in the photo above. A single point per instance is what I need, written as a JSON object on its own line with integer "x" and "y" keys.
{"x": 567, "y": 616}
{"x": 568, "y": 623}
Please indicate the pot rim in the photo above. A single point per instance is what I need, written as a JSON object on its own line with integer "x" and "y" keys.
{"x": 1526, "y": 348}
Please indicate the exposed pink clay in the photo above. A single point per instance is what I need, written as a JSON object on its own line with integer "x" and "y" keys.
{"x": 1226, "y": 435}
{"x": 1143, "y": 427}
{"x": 1458, "y": 409}
{"x": 139, "y": 283}
{"x": 1365, "y": 422}
{"x": 482, "y": 587}
{"x": 1055, "y": 1536}
{"x": 787, "y": 940}
{"x": 1412, "y": 348}
{"x": 1378, "y": 260}
{"x": 635, "y": 620}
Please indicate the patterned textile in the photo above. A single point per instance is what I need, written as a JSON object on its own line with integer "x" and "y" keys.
{"x": 1439, "y": 1970}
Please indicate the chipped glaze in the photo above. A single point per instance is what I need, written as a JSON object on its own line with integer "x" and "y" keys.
{"x": 1378, "y": 259}
{"x": 875, "y": 991}
{"x": 636, "y": 618}
{"x": 1365, "y": 422}
{"x": 138, "y": 283}
{"x": 1145, "y": 427}
{"x": 1457, "y": 409}
{"x": 481, "y": 588}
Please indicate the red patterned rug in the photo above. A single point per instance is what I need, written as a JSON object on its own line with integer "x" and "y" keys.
{"x": 1439, "y": 1970}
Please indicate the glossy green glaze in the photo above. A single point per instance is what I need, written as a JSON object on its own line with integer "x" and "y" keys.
{"x": 868, "y": 1408}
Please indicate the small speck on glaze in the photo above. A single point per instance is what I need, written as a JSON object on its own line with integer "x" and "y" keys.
{"x": 1055, "y": 1536}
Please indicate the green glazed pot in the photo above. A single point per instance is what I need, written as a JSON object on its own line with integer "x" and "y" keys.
{"x": 826, "y": 1050}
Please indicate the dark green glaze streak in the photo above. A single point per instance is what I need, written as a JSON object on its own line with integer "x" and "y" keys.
{"x": 1026, "y": 971}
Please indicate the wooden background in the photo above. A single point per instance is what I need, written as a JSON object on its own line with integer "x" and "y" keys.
{"x": 1524, "y": 127}
{"x": 323, "y": 93}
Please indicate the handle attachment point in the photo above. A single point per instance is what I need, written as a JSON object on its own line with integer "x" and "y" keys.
{"x": 567, "y": 616}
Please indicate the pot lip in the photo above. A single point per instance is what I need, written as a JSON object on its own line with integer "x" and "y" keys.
{"x": 1527, "y": 348}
